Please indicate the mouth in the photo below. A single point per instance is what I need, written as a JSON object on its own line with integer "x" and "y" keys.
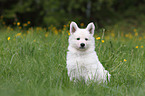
{"x": 82, "y": 47}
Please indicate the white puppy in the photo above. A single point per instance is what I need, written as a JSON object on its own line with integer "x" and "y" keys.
{"x": 82, "y": 60}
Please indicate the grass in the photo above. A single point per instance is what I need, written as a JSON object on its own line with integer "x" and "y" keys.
{"x": 34, "y": 64}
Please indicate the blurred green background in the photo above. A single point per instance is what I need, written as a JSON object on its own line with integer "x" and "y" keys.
{"x": 58, "y": 12}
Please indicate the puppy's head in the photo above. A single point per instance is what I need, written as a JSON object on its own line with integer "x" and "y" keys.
{"x": 81, "y": 39}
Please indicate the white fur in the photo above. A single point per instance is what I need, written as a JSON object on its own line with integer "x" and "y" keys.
{"x": 83, "y": 63}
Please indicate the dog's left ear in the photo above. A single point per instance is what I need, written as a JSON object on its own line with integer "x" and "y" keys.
{"x": 91, "y": 28}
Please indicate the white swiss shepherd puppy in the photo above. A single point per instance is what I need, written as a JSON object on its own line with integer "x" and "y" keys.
{"x": 82, "y": 60}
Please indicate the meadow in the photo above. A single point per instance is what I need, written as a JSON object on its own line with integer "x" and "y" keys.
{"x": 33, "y": 62}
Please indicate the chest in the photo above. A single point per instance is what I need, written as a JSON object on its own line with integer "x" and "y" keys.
{"x": 81, "y": 60}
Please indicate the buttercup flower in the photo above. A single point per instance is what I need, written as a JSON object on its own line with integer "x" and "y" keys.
{"x": 46, "y": 34}
{"x": 98, "y": 38}
{"x": 18, "y": 23}
{"x": 124, "y": 60}
{"x": 64, "y": 26}
{"x": 136, "y": 47}
{"x": 18, "y": 34}
{"x": 136, "y": 34}
{"x": 134, "y": 30}
{"x": 20, "y": 27}
{"x": 82, "y": 24}
{"x": 28, "y": 22}
{"x": 4, "y": 23}
{"x": 103, "y": 41}
{"x": 9, "y": 38}
{"x": 126, "y": 35}
{"x": 25, "y": 24}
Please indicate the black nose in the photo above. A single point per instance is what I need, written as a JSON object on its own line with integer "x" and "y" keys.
{"x": 82, "y": 44}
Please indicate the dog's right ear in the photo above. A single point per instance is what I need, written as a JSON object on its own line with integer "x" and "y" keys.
{"x": 73, "y": 27}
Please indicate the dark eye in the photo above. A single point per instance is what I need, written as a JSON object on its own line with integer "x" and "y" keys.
{"x": 78, "y": 38}
{"x": 86, "y": 39}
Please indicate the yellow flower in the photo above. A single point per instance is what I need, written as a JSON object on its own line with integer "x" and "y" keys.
{"x": 103, "y": 41}
{"x": 18, "y": 34}
{"x": 4, "y": 23}
{"x": 14, "y": 23}
{"x": 64, "y": 26}
{"x": 140, "y": 38}
{"x": 141, "y": 46}
{"x": 38, "y": 28}
{"x": 82, "y": 24}
{"x": 20, "y": 27}
{"x": 25, "y": 24}
{"x": 98, "y": 38}
{"x": 28, "y": 22}
{"x": 30, "y": 28}
{"x": 112, "y": 34}
{"x": 1, "y": 17}
{"x": 126, "y": 35}
{"x": 68, "y": 33}
{"x": 49, "y": 27}
{"x": 34, "y": 40}
{"x": 136, "y": 47}
{"x": 12, "y": 29}
{"x": 55, "y": 32}
{"x": 9, "y": 38}
{"x": 134, "y": 30}
{"x": 18, "y": 23}
{"x": 124, "y": 60}
{"x": 136, "y": 34}
{"x": 46, "y": 34}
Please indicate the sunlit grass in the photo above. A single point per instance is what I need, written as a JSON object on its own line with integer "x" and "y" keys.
{"x": 33, "y": 62}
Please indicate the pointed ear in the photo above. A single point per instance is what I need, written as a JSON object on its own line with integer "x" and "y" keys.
{"x": 91, "y": 28}
{"x": 73, "y": 27}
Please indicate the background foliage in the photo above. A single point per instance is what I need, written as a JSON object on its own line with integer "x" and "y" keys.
{"x": 58, "y": 12}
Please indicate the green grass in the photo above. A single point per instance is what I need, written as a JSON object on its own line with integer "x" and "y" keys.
{"x": 38, "y": 68}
